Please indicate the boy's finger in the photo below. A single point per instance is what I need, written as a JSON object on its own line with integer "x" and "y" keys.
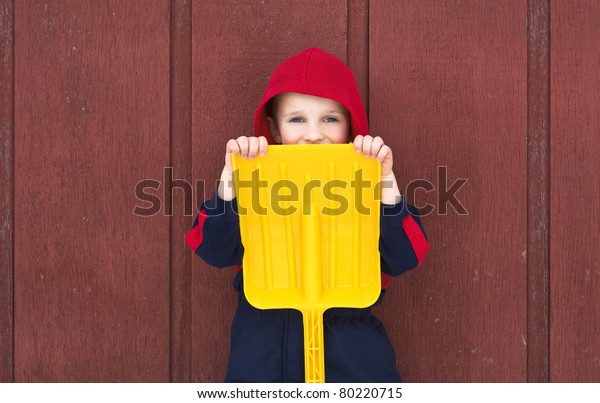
{"x": 233, "y": 147}
{"x": 384, "y": 153}
{"x": 366, "y": 146}
{"x": 358, "y": 143}
{"x": 252, "y": 147}
{"x": 243, "y": 143}
{"x": 376, "y": 146}
{"x": 262, "y": 146}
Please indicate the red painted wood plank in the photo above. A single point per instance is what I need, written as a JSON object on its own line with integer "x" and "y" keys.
{"x": 91, "y": 120}
{"x": 181, "y": 161}
{"x": 575, "y": 184}
{"x": 235, "y": 49}
{"x": 448, "y": 89}
{"x": 6, "y": 189}
{"x": 538, "y": 189}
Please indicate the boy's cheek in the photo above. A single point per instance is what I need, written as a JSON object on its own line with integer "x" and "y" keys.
{"x": 289, "y": 137}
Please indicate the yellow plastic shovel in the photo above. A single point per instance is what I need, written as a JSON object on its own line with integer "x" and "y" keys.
{"x": 309, "y": 220}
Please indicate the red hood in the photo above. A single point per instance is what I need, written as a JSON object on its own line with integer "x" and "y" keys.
{"x": 318, "y": 73}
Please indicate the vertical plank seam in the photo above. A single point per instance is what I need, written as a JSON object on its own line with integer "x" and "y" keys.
{"x": 357, "y": 45}
{"x": 538, "y": 190}
{"x": 7, "y": 120}
{"x": 180, "y": 105}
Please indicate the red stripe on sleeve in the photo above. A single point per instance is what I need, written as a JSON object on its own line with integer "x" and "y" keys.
{"x": 385, "y": 281}
{"x": 417, "y": 238}
{"x": 194, "y": 237}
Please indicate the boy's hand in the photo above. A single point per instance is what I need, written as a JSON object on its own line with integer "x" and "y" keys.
{"x": 247, "y": 147}
{"x": 373, "y": 147}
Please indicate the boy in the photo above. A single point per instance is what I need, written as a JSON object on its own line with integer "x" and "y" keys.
{"x": 311, "y": 98}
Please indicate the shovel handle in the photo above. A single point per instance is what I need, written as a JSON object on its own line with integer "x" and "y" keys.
{"x": 314, "y": 349}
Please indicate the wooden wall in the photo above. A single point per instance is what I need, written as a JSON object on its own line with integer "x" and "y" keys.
{"x": 501, "y": 97}
{"x": 449, "y": 88}
{"x": 91, "y": 99}
{"x": 574, "y": 177}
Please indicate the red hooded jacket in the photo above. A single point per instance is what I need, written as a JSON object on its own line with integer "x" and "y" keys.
{"x": 318, "y": 73}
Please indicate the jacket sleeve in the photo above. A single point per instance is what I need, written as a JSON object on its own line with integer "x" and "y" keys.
{"x": 402, "y": 243}
{"x": 215, "y": 235}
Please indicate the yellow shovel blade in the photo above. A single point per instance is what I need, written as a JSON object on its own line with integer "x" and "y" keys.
{"x": 309, "y": 221}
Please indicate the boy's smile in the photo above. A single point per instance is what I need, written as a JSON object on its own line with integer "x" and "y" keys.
{"x": 307, "y": 119}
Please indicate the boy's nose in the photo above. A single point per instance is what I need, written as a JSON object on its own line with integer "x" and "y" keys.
{"x": 313, "y": 135}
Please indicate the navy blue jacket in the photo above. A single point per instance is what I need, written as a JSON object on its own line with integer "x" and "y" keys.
{"x": 267, "y": 345}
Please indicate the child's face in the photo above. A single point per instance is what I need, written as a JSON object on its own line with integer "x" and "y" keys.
{"x": 306, "y": 119}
